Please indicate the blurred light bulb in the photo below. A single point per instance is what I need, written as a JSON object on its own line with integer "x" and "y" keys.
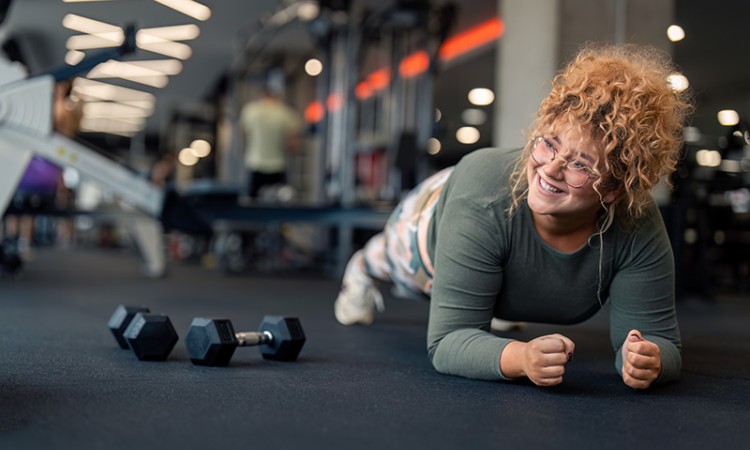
{"x": 313, "y": 67}
{"x": 187, "y": 158}
{"x": 728, "y": 117}
{"x": 433, "y": 146}
{"x": 473, "y": 116}
{"x": 678, "y": 82}
{"x": 675, "y": 33}
{"x": 201, "y": 148}
{"x": 481, "y": 96}
{"x": 467, "y": 135}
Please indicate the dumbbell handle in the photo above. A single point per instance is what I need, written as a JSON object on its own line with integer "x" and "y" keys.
{"x": 248, "y": 338}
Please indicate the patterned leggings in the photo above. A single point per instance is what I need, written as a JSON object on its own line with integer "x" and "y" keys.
{"x": 399, "y": 253}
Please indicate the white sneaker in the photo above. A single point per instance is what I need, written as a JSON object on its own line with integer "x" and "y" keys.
{"x": 24, "y": 250}
{"x": 506, "y": 325}
{"x": 359, "y": 297}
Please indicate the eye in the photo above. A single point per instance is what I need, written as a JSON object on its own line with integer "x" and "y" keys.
{"x": 550, "y": 146}
{"x": 580, "y": 164}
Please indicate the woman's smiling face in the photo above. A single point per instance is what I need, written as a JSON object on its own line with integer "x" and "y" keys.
{"x": 550, "y": 190}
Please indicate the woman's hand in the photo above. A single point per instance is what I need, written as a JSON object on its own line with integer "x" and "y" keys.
{"x": 641, "y": 361}
{"x": 541, "y": 360}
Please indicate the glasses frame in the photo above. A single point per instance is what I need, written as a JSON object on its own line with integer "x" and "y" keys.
{"x": 555, "y": 153}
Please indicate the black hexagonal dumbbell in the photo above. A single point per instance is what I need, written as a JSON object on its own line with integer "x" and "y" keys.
{"x": 211, "y": 342}
{"x": 120, "y": 320}
{"x": 151, "y": 336}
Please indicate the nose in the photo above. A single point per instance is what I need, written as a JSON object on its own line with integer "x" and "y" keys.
{"x": 554, "y": 168}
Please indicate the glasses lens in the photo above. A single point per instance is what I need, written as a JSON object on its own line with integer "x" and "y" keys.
{"x": 542, "y": 152}
{"x": 575, "y": 177}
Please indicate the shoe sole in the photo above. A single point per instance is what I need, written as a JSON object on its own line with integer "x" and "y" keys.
{"x": 344, "y": 319}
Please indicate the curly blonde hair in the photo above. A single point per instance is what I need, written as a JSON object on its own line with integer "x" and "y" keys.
{"x": 620, "y": 96}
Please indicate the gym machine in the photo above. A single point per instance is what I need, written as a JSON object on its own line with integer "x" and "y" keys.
{"x": 26, "y": 129}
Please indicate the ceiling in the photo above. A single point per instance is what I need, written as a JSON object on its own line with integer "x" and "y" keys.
{"x": 36, "y": 24}
{"x": 719, "y": 73}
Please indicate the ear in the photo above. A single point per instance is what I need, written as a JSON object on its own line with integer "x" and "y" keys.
{"x": 612, "y": 195}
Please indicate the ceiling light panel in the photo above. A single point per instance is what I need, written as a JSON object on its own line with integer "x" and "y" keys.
{"x": 132, "y": 105}
{"x": 189, "y": 8}
{"x": 157, "y": 81}
{"x": 175, "y": 33}
{"x": 97, "y": 90}
{"x": 159, "y": 66}
{"x": 88, "y": 26}
{"x": 166, "y": 48}
{"x": 113, "y": 109}
{"x": 91, "y": 41}
{"x": 110, "y": 126}
{"x": 114, "y": 68}
{"x": 73, "y": 57}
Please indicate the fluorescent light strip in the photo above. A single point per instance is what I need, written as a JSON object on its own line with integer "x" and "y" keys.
{"x": 123, "y": 122}
{"x": 73, "y": 57}
{"x": 102, "y": 40}
{"x": 89, "y": 26}
{"x": 114, "y": 110}
{"x": 144, "y": 105}
{"x": 114, "y": 68}
{"x": 96, "y": 90}
{"x": 166, "y": 48}
{"x": 188, "y": 7}
{"x": 161, "y": 66}
{"x": 157, "y": 81}
{"x": 175, "y": 33}
{"x": 110, "y": 126}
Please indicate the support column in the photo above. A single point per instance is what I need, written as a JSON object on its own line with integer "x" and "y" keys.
{"x": 527, "y": 60}
{"x": 541, "y": 35}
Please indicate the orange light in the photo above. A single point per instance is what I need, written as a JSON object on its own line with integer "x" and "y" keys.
{"x": 414, "y": 64}
{"x": 334, "y": 102}
{"x": 418, "y": 62}
{"x": 472, "y": 38}
{"x": 379, "y": 79}
{"x": 363, "y": 90}
{"x": 314, "y": 112}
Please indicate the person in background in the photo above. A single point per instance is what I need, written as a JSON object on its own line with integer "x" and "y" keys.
{"x": 67, "y": 116}
{"x": 42, "y": 187}
{"x": 163, "y": 171}
{"x": 67, "y": 109}
{"x": 547, "y": 233}
{"x": 271, "y": 129}
{"x": 36, "y": 193}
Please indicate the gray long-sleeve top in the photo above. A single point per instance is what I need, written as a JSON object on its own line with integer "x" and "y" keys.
{"x": 488, "y": 264}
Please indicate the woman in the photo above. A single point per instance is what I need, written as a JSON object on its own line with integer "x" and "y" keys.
{"x": 547, "y": 233}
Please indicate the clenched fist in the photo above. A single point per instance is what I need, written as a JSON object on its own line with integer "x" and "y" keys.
{"x": 641, "y": 361}
{"x": 541, "y": 360}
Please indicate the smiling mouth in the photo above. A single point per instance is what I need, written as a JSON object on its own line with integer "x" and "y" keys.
{"x": 546, "y": 187}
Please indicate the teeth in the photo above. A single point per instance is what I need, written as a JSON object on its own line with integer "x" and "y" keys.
{"x": 547, "y": 187}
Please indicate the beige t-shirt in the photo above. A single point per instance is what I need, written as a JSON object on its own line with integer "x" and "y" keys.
{"x": 268, "y": 125}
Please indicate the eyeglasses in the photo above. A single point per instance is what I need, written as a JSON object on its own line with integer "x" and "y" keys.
{"x": 577, "y": 171}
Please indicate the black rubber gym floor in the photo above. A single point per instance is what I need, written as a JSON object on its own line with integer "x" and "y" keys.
{"x": 64, "y": 382}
